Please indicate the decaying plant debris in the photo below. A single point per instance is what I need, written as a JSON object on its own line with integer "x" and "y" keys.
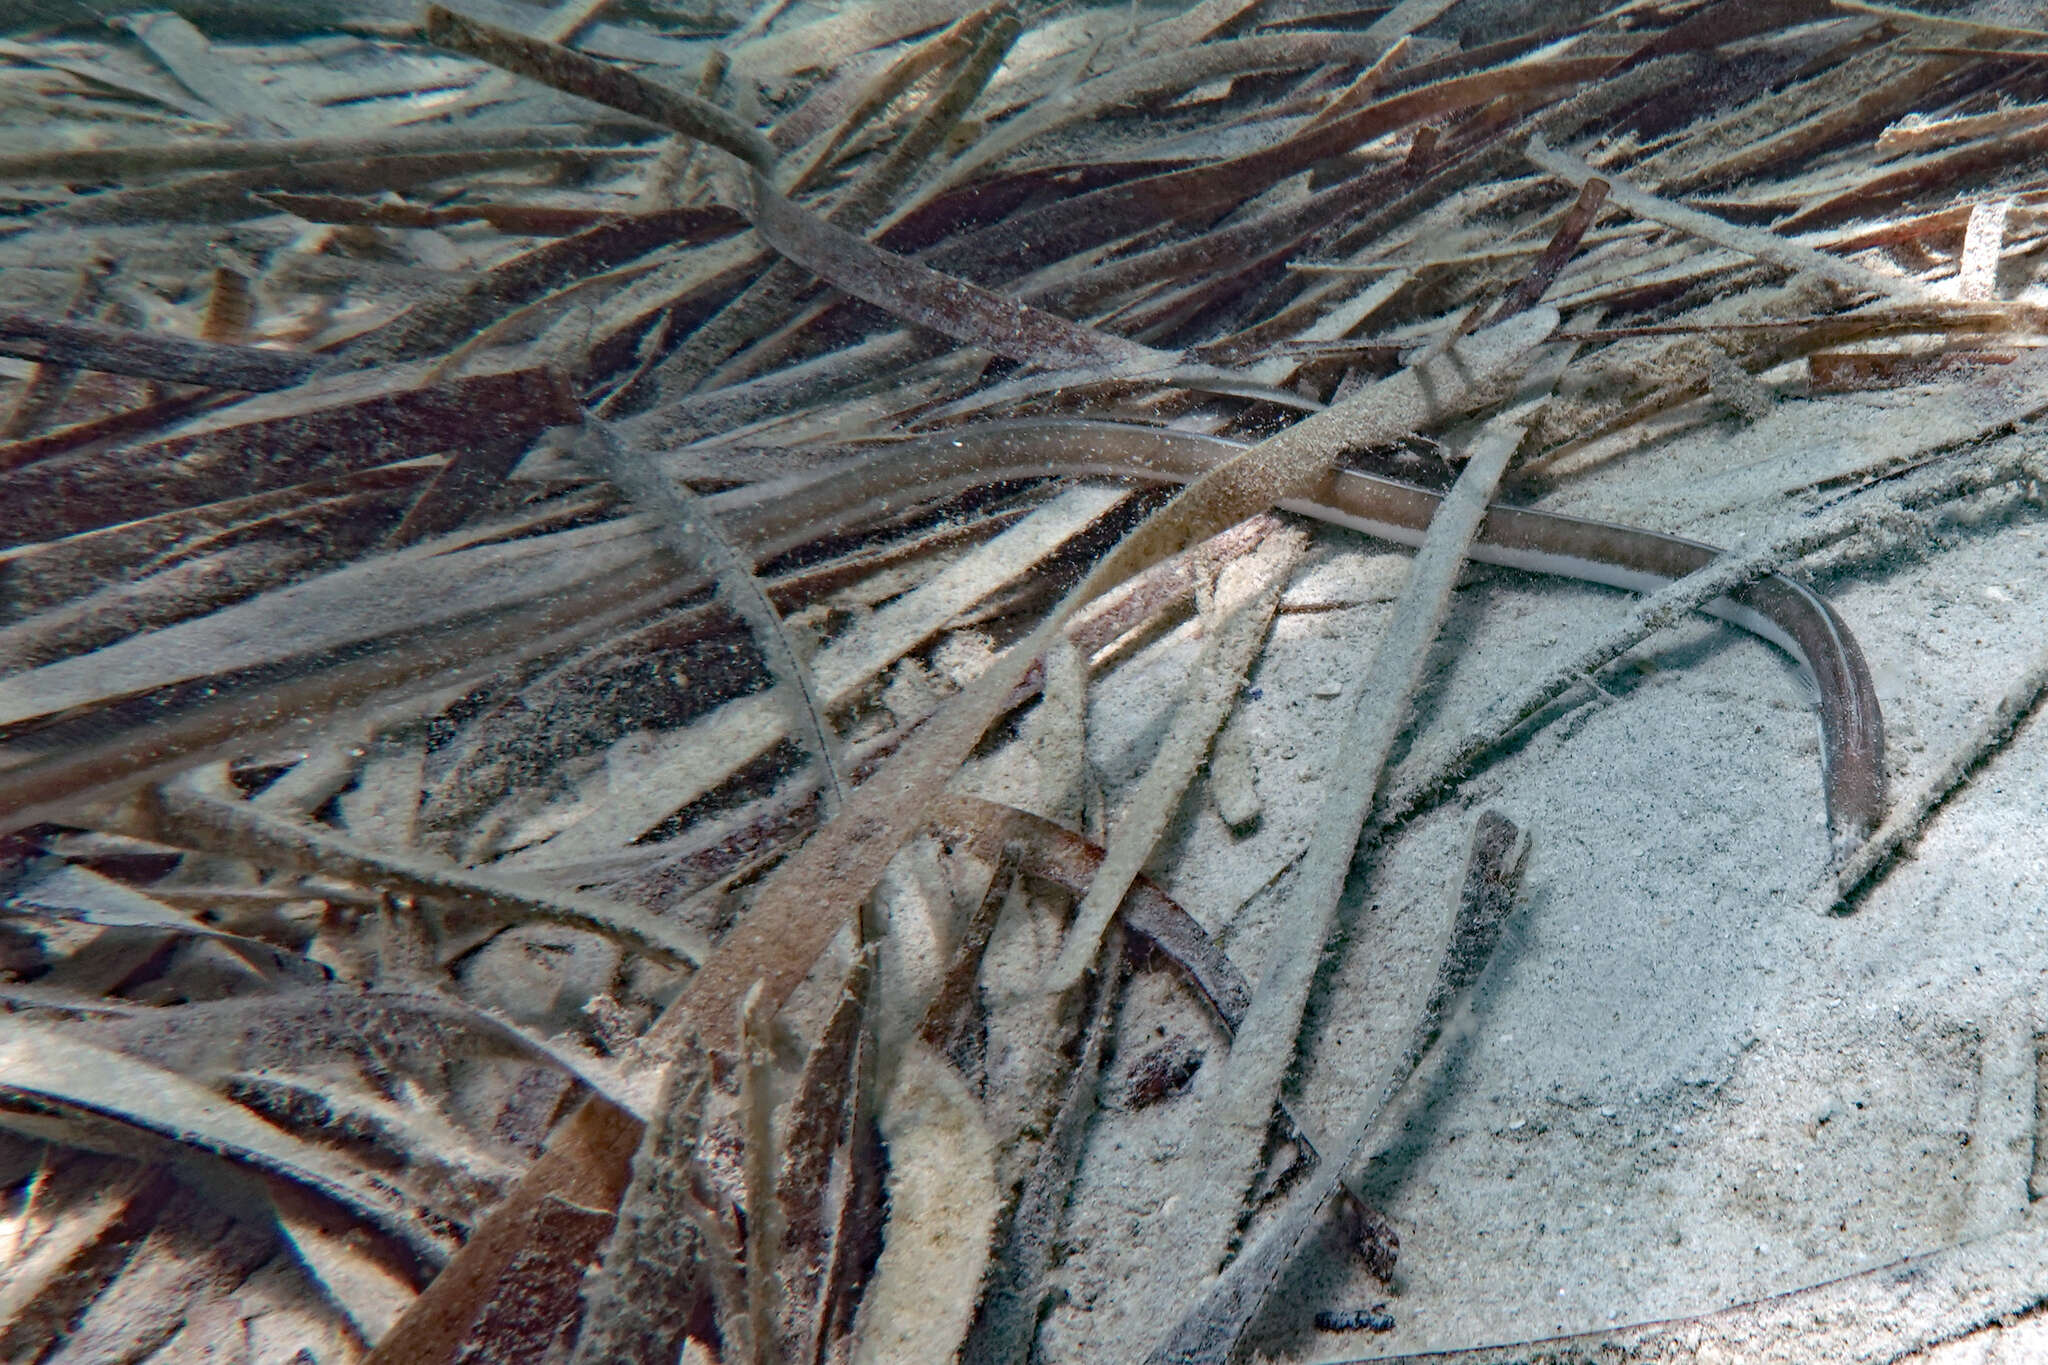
{"x": 471, "y": 895}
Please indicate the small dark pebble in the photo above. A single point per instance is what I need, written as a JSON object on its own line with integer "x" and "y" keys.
{"x": 1373, "y": 1319}
{"x": 1163, "y": 1072}
{"x": 1373, "y": 1239}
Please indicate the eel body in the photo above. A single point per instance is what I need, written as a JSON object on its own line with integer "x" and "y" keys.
{"x": 778, "y": 516}
{"x": 67, "y": 759}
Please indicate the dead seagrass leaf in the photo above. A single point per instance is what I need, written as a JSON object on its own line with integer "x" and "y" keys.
{"x": 41, "y": 1064}
{"x": 1141, "y": 216}
{"x": 942, "y": 1212}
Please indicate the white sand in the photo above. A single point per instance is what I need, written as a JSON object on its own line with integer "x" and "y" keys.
{"x": 1683, "y": 1088}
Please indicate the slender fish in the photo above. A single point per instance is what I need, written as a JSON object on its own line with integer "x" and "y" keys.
{"x": 780, "y": 515}
{"x": 90, "y": 756}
